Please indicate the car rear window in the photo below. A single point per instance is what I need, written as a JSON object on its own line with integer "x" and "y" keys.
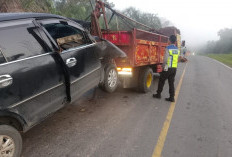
{"x": 20, "y": 41}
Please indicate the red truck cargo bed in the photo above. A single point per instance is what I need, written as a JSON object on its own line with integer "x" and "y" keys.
{"x": 141, "y": 47}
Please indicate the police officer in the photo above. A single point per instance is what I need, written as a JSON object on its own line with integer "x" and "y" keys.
{"x": 169, "y": 72}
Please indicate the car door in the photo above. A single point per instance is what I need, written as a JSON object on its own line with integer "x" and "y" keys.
{"x": 82, "y": 62}
{"x": 31, "y": 79}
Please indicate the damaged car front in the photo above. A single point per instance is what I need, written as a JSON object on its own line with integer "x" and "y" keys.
{"x": 47, "y": 61}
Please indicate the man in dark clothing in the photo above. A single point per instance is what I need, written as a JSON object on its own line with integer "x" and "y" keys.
{"x": 169, "y": 72}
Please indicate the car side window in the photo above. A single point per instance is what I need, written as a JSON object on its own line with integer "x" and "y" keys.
{"x": 65, "y": 35}
{"x": 2, "y": 59}
{"x": 20, "y": 41}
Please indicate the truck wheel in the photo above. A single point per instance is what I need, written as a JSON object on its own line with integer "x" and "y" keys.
{"x": 145, "y": 79}
{"x": 110, "y": 83}
{"x": 10, "y": 141}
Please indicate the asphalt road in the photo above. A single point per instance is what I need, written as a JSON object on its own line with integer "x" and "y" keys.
{"x": 128, "y": 124}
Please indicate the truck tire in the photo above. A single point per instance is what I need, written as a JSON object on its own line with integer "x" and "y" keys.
{"x": 145, "y": 79}
{"x": 12, "y": 140}
{"x": 110, "y": 83}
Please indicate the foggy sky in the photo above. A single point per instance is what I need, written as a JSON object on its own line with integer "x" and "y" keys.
{"x": 198, "y": 20}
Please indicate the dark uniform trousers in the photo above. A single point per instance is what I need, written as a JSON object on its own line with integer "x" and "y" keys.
{"x": 170, "y": 75}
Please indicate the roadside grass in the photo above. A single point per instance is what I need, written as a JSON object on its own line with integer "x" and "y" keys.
{"x": 224, "y": 58}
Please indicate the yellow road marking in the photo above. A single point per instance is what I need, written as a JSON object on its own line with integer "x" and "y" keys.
{"x": 162, "y": 137}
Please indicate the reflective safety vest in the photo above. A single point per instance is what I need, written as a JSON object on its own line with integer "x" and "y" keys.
{"x": 173, "y": 58}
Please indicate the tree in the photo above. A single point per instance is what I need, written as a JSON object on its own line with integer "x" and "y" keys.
{"x": 44, "y": 6}
{"x": 81, "y": 9}
{"x": 27, "y": 6}
{"x": 165, "y": 22}
{"x": 10, "y": 6}
{"x": 223, "y": 45}
{"x": 78, "y": 9}
{"x": 148, "y": 19}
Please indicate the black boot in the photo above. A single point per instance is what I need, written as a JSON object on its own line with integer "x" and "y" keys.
{"x": 158, "y": 96}
{"x": 170, "y": 99}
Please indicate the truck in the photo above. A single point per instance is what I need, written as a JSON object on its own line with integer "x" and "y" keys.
{"x": 145, "y": 49}
{"x": 168, "y": 31}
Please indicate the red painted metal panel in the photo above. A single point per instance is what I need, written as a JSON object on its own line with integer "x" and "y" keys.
{"x": 146, "y": 52}
{"x": 154, "y": 53}
{"x": 125, "y": 38}
{"x": 141, "y": 47}
{"x": 142, "y": 54}
{"x": 120, "y": 37}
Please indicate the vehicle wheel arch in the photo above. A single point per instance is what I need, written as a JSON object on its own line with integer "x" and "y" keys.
{"x": 108, "y": 67}
{"x": 108, "y": 60}
{"x": 12, "y": 119}
{"x": 105, "y": 62}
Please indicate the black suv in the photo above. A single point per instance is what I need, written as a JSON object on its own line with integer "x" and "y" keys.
{"x": 46, "y": 61}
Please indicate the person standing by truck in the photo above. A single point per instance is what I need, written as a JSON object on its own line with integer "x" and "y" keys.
{"x": 169, "y": 65}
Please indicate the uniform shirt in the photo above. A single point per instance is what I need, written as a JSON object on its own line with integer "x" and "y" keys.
{"x": 167, "y": 54}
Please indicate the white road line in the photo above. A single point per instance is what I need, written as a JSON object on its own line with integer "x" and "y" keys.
{"x": 163, "y": 134}
{"x": 221, "y": 63}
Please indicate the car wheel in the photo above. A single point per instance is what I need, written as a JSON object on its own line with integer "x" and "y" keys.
{"x": 110, "y": 79}
{"x": 145, "y": 79}
{"x": 10, "y": 141}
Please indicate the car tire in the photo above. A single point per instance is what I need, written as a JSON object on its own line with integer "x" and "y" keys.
{"x": 145, "y": 79}
{"x": 110, "y": 83}
{"x": 10, "y": 135}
